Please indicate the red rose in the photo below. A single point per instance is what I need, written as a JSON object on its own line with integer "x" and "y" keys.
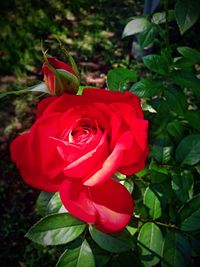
{"x": 59, "y": 77}
{"x": 77, "y": 144}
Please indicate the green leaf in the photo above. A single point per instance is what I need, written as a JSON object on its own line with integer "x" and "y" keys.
{"x": 147, "y": 37}
{"x": 116, "y": 78}
{"x": 56, "y": 229}
{"x": 54, "y": 204}
{"x": 160, "y": 17}
{"x": 182, "y": 184}
{"x": 42, "y": 202}
{"x": 188, "y": 150}
{"x": 119, "y": 242}
{"x": 153, "y": 203}
{"x": 190, "y": 54}
{"x": 189, "y": 215}
{"x": 186, "y": 13}
{"x": 176, "y": 251}
{"x": 186, "y": 79}
{"x": 135, "y": 26}
{"x": 150, "y": 241}
{"x": 162, "y": 149}
{"x": 81, "y": 256}
{"x": 193, "y": 118}
{"x": 157, "y": 174}
{"x": 147, "y": 88}
{"x": 176, "y": 129}
{"x": 178, "y": 107}
{"x": 156, "y": 63}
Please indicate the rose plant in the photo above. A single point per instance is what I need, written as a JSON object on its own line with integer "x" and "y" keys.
{"x": 75, "y": 147}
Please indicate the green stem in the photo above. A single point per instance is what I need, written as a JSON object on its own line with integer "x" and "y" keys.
{"x": 166, "y": 225}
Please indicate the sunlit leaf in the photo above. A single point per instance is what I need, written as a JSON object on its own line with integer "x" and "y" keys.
{"x": 116, "y": 78}
{"x": 135, "y": 26}
{"x": 153, "y": 203}
{"x": 56, "y": 229}
{"x": 150, "y": 241}
{"x": 81, "y": 256}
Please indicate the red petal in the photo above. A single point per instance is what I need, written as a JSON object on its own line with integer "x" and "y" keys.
{"x": 112, "y": 163}
{"x": 42, "y": 147}
{"x": 57, "y": 64}
{"x": 42, "y": 105}
{"x": 80, "y": 167}
{"x": 109, "y": 206}
{"x": 105, "y": 96}
{"x": 114, "y": 205}
{"x": 75, "y": 198}
{"x": 20, "y": 155}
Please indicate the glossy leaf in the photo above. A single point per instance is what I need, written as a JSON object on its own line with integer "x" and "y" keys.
{"x": 176, "y": 251}
{"x": 119, "y": 242}
{"x": 189, "y": 215}
{"x": 193, "y": 118}
{"x": 188, "y": 150}
{"x": 55, "y": 204}
{"x": 178, "y": 107}
{"x": 176, "y": 129}
{"x": 186, "y": 13}
{"x": 156, "y": 63}
{"x": 182, "y": 184}
{"x": 150, "y": 241}
{"x": 56, "y": 229}
{"x": 116, "y": 78}
{"x": 42, "y": 202}
{"x": 147, "y": 37}
{"x": 147, "y": 88}
{"x": 153, "y": 203}
{"x": 81, "y": 256}
{"x": 135, "y": 26}
{"x": 160, "y": 17}
{"x": 186, "y": 79}
{"x": 189, "y": 53}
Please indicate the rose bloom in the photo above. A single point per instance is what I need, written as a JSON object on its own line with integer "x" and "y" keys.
{"x": 76, "y": 145}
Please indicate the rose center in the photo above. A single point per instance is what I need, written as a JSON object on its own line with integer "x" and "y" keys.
{"x": 82, "y": 132}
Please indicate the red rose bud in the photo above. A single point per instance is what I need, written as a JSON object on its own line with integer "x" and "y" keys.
{"x": 59, "y": 77}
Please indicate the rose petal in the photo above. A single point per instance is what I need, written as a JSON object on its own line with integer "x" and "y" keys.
{"x": 20, "y": 155}
{"x": 80, "y": 167}
{"x": 42, "y": 147}
{"x": 112, "y": 163}
{"x": 109, "y": 206}
{"x": 105, "y": 96}
{"x": 75, "y": 197}
{"x": 114, "y": 205}
{"x": 42, "y": 105}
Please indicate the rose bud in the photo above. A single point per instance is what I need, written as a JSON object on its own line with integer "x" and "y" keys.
{"x": 59, "y": 77}
{"x": 75, "y": 147}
